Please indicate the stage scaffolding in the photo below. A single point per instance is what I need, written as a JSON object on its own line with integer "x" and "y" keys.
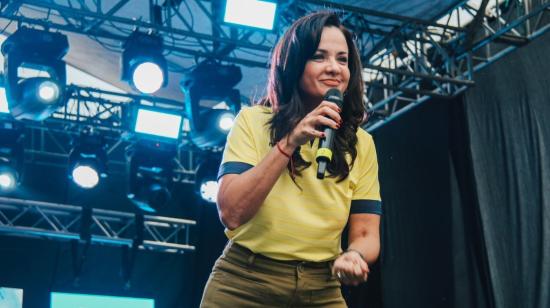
{"x": 63, "y": 222}
{"x": 406, "y": 60}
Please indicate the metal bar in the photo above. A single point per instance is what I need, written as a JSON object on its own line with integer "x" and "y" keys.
{"x": 138, "y": 23}
{"x": 105, "y": 16}
{"x": 364, "y": 11}
{"x": 12, "y": 7}
{"x": 420, "y": 75}
{"x": 102, "y": 231}
{"x": 408, "y": 90}
{"x": 103, "y": 34}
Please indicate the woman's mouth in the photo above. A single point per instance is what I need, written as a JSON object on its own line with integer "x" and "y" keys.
{"x": 331, "y": 82}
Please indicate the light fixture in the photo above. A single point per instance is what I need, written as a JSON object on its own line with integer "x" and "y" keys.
{"x": 88, "y": 160}
{"x": 37, "y": 51}
{"x": 11, "y": 155}
{"x": 150, "y": 174}
{"x": 8, "y": 176}
{"x": 225, "y": 121}
{"x": 206, "y": 181}
{"x": 143, "y": 64}
{"x": 4, "y": 108}
{"x": 214, "y": 135}
{"x": 211, "y": 102}
{"x": 251, "y": 13}
{"x": 158, "y": 123}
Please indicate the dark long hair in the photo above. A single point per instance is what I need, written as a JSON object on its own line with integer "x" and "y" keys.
{"x": 288, "y": 61}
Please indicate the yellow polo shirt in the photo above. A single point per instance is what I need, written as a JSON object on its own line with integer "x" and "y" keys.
{"x": 294, "y": 224}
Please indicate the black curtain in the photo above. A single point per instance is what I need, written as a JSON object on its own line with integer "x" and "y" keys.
{"x": 506, "y": 206}
{"x": 466, "y": 190}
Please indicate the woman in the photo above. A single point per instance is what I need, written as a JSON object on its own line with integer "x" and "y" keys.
{"x": 283, "y": 223}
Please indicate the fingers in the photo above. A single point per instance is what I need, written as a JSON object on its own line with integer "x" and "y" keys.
{"x": 321, "y": 120}
{"x": 330, "y": 110}
{"x": 326, "y": 114}
{"x": 350, "y": 271}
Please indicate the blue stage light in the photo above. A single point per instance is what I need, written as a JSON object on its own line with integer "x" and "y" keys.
{"x": 209, "y": 97}
{"x": 34, "y": 98}
{"x": 48, "y": 91}
{"x": 148, "y": 77}
{"x": 206, "y": 184}
{"x": 143, "y": 64}
{"x": 4, "y": 107}
{"x": 8, "y": 179}
{"x": 226, "y": 121}
{"x": 85, "y": 176}
{"x": 150, "y": 174}
{"x": 88, "y": 160}
{"x": 158, "y": 123}
{"x": 41, "y": 93}
{"x": 11, "y": 155}
{"x": 209, "y": 191}
{"x": 251, "y": 13}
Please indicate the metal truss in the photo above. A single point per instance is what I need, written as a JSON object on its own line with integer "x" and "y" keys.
{"x": 407, "y": 60}
{"x": 111, "y": 114}
{"x": 415, "y": 72}
{"x": 94, "y": 226}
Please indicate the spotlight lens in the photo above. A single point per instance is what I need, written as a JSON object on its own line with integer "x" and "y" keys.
{"x": 226, "y": 121}
{"x": 209, "y": 191}
{"x": 148, "y": 77}
{"x": 85, "y": 176}
{"x": 48, "y": 91}
{"x": 7, "y": 181}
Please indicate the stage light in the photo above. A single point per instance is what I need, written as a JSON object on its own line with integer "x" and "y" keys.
{"x": 88, "y": 160}
{"x": 39, "y": 94}
{"x": 8, "y": 177}
{"x": 11, "y": 155}
{"x": 158, "y": 123}
{"x": 150, "y": 174}
{"x": 251, "y": 13}
{"x": 143, "y": 64}
{"x": 226, "y": 121}
{"x": 4, "y": 108}
{"x": 34, "y": 98}
{"x": 48, "y": 91}
{"x": 206, "y": 182}
{"x": 209, "y": 191}
{"x": 85, "y": 176}
{"x": 148, "y": 77}
{"x": 211, "y": 102}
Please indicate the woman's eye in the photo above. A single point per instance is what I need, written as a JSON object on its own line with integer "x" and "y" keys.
{"x": 343, "y": 60}
{"x": 317, "y": 57}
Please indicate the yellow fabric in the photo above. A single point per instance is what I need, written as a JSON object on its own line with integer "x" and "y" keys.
{"x": 294, "y": 224}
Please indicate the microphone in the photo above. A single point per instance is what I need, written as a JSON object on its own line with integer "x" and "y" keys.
{"x": 324, "y": 153}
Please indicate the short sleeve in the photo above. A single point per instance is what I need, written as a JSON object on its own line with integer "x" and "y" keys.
{"x": 240, "y": 152}
{"x": 366, "y": 194}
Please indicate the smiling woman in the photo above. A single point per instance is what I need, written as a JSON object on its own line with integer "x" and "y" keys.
{"x": 283, "y": 223}
{"x": 327, "y": 68}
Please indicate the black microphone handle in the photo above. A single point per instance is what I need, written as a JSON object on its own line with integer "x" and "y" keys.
{"x": 335, "y": 96}
{"x": 321, "y": 169}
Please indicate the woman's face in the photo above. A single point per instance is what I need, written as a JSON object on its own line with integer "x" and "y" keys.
{"x": 327, "y": 68}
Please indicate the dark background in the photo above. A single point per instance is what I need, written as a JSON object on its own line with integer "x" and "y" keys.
{"x": 466, "y": 191}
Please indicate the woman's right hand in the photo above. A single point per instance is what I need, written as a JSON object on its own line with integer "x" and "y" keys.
{"x": 326, "y": 114}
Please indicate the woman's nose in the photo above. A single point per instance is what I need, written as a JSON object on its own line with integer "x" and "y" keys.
{"x": 333, "y": 66}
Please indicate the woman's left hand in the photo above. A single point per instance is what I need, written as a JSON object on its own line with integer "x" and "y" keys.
{"x": 350, "y": 268}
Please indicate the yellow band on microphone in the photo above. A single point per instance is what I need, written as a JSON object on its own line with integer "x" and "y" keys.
{"x": 324, "y": 152}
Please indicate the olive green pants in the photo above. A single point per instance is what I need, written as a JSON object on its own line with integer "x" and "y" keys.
{"x": 241, "y": 278}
